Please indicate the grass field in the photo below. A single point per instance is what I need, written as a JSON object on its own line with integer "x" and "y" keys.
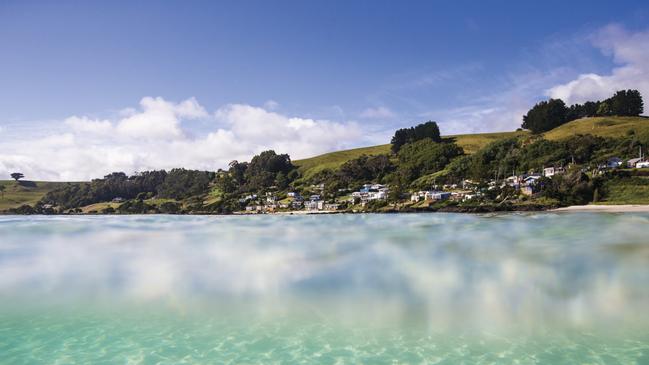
{"x": 600, "y": 126}
{"x": 310, "y": 166}
{"x": 27, "y": 192}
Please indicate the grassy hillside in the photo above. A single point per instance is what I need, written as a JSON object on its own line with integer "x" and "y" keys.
{"x": 310, "y": 166}
{"x": 600, "y": 126}
{"x": 469, "y": 142}
{"x": 27, "y": 192}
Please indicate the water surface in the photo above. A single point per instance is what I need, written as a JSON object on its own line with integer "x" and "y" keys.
{"x": 537, "y": 288}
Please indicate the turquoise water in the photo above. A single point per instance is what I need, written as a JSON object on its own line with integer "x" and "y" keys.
{"x": 537, "y": 288}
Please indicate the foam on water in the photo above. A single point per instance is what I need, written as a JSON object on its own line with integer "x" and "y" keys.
{"x": 431, "y": 288}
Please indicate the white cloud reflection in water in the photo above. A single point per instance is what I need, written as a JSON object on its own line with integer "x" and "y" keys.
{"x": 436, "y": 270}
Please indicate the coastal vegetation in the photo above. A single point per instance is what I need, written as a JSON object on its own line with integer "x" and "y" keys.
{"x": 579, "y": 154}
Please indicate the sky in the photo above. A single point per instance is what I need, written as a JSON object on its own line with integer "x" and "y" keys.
{"x": 88, "y": 88}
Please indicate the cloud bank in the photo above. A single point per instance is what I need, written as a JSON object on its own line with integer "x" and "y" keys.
{"x": 630, "y": 52}
{"x": 153, "y": 137}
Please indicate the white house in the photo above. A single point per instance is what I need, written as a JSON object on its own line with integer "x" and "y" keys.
{"x": 314, "y": 205}
{"x": 642, "y": 165}
{"x": 634, "y": 161}
{"x": 551, "y": 171}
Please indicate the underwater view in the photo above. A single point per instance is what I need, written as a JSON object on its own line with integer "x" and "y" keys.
{"x": 525, "y": 288}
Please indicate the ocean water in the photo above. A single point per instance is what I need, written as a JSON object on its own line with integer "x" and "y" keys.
{"x": 537, "y": 288}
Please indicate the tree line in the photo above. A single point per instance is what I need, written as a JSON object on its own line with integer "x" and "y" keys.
{"x": 547, "y": 115}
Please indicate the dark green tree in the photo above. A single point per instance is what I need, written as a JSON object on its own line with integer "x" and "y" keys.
{"x": 17, "y": 176}
{"x": 545, "y": 116}
{"x": 626, "y": 103}
{"x": 413, "y": 134}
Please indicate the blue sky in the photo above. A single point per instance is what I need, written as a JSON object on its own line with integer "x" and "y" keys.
{"x": 358, "y": 68}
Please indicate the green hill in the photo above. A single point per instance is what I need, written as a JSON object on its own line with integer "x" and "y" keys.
{"x": 332, "y": 160}
{"x": 600, "y": 126}
{"x": 469, "y": 142}
{"x": 25, "y": 192}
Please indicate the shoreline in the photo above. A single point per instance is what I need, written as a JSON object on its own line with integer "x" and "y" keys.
{"x": 623, "y": 208}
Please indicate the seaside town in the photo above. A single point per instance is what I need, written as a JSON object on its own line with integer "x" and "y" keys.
{"x": 591, "y": 153}
{"x": 526, "y": 184}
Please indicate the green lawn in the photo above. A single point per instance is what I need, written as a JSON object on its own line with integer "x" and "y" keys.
{"x": 27, "y": 192}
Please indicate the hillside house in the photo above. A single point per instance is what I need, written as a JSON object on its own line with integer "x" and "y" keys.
{"x": 551, "y": 171}
{"x": 633, "y": 162}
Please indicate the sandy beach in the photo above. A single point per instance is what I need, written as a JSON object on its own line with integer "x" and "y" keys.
{"x": 604, "y": 208}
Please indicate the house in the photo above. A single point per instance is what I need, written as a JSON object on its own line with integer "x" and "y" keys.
{"x": 551, "y": 171}
{"x": 634, "y": 161}
{"x": 292, "y": 194}
{"x": 532, "y": 179}
{"x": 270, "y": 197}
{"x": 530, "y": 184}
{"x": 430, "y": 195}
{"x": 314, "y": 205}
{"x": 613, "y": 162}
{"x": 642, "y": 165}
{"x": 513, "y": 181}
{"x": 296, "y": 204}
{"x": 441, "y": 195}
{"x": 314, "y": 197}
{"x": 118, "y": 200}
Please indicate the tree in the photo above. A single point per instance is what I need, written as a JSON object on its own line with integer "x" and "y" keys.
{"x": 413, "y": 134}
{"x": 545, "y": 116}
{"x": 17, "y": 176}
{"x": 424, "y": 157}
{"x": 2, "y": 191}
{"x": 262, "y": 170}
{"x": 626, "y": 103}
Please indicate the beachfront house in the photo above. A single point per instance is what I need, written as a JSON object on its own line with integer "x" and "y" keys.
{"x": 430, "y": 195}
{"x": 314, "y": 205}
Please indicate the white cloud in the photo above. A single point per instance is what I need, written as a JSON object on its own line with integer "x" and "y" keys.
{"x": 153, "y": 137}
{"x": 377, "y": 113}
{"x": 630, "y": 51}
